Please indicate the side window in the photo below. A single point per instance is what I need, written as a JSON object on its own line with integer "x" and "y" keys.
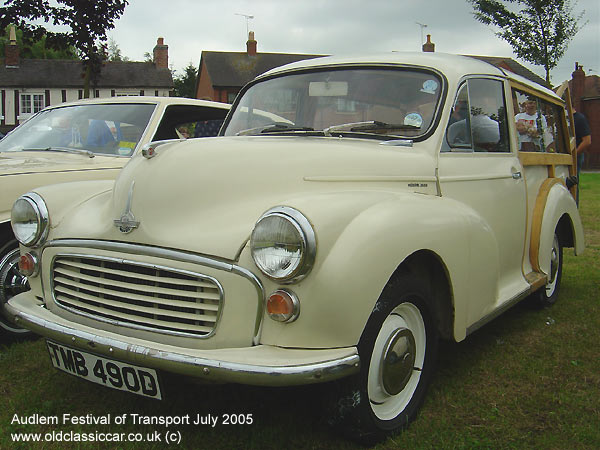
{"x": 479, "y": 121}
{"x": 458, "y": 134}
{"x": 539, "y": 124}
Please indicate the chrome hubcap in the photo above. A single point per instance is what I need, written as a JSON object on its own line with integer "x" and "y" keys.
{"x": 554, "y": 263}
{"x": 11, "y": 281}
{"x": 399, "y": 361}
{"x": 396, "y": 362}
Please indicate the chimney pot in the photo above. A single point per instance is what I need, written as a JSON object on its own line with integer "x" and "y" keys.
{"x": 161, "y": 54}
{"x": 11, "y": 51}
{"x": 429, "y": 46}
{"x": 251, "y": 44}
{"x": 577, "y": 86}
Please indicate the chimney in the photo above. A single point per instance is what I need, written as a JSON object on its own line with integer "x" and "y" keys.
{"x": 251, "y": 44}
{"x": 11, "y": 51}
{"x": 161, "y": 54}
{"x": 577, "y": 86}
{"x": 429, "y": 46}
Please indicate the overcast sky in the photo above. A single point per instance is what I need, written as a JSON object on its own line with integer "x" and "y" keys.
{"x": 331, "y": 27}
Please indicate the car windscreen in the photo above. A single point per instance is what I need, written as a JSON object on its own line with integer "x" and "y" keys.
{"x": 376, "y": 101}
{"x": 109, "y": 129}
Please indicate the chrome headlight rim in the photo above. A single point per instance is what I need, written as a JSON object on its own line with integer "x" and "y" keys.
{"x": 41, "y": 211}
{"x": 308, "y": 243}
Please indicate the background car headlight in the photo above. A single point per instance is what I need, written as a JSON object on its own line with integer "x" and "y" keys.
{"x": 283, "y": 244}
{"x": 29, "y": 219}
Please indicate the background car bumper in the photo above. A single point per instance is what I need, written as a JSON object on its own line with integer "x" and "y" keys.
{"x": 261, "y": 365}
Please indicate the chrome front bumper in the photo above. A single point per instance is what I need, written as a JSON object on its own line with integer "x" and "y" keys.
{"x": 260, "y": 365}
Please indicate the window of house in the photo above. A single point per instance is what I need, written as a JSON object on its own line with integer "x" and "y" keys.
{"x": 478, "y": 121}
{"x": 31, "y": 103}
{"x": 539, "y": 124}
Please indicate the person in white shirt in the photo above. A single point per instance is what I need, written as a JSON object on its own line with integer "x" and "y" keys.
{"x": 532, "y": 128}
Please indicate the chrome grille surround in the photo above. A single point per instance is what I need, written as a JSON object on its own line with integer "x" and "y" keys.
{"x": 137, "y": 295}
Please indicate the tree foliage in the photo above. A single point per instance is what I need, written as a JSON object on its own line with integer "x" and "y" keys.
{"x": 185, "y": 84}
{"x": 539, "y": 31}
{"x": 88, "y": 22}
{"x": 114, "y": 52}
{"x": 37, "y": 49}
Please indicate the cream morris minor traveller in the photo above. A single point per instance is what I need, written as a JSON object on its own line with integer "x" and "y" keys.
{"x": 356, "y": 211}
{"x": 84, "y": 140}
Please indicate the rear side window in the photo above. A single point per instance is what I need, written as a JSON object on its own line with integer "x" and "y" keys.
{"x": 478, "y": 121}
{"x": 539, "y": 124}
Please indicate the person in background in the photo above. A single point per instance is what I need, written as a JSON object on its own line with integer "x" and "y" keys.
{"x": 583, "y": 139}
{"x": 531, "y": 127}
{"x": 183, "y": 132}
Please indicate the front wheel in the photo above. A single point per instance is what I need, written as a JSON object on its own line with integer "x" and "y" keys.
{"x": 11, "y": 284}
{"x": 397, "y": 349}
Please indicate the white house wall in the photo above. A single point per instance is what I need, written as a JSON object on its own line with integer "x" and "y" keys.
{"x": 9, "y": 118}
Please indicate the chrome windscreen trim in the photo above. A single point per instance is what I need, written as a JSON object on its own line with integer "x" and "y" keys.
{"x": 117, "y": 322}
{"x": 174, "y": 255}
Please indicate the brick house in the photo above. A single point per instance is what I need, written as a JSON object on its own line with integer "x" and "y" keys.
{"x": 29, "y": 85}
{"x": 585, "y": 94}
{"x": 222, "y": 74}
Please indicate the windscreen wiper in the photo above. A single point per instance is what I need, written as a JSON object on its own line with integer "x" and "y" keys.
{"x": 276, "y": 127}
{"x": 77, "y": 151}
{"x": 368, "y": 126}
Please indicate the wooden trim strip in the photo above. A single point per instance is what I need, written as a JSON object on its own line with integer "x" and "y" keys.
{"x": 536, "y": 221}
{"x": 545, "y": 159}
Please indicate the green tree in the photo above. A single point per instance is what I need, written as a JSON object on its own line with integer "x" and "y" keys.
{"x": 539, "y": 31}
{"x": 114, "y": 51}
{"x": 88, "y": 22}
{"x": 36, "y": 49}
{"x": 185, "y": 84}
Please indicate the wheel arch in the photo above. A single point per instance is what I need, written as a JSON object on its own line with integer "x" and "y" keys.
{"x": 6, "y": 233}
{"x": 441, "y": 303}
{"x": 555, "y": 212}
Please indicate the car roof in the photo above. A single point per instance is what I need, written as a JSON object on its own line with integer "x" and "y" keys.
{"x": 166, "y": 101}
{"x": 454, "y": 67}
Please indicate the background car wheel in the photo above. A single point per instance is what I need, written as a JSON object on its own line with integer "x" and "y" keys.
{"x": 397, "y": 350}
{"x": 11, "y": 284}
{"x": 548, "y": 295}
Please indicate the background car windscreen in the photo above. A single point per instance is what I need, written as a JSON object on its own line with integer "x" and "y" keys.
{"x": 111, "y": 129}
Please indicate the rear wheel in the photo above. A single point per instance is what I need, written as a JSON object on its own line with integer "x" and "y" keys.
{"x": 11, "y": 284}
{"x": 548, "y": 295}
{"x": 397, "y": 349}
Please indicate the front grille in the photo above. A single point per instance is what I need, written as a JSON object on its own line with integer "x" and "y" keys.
{"x": 137, "y": 295}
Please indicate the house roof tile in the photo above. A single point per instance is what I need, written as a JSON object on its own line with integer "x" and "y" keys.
{"x": 55, "y": 73}
{"x": 237, "y": 68}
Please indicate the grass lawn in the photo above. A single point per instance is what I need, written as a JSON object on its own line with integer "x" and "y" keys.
{"x": 529, "y": 379}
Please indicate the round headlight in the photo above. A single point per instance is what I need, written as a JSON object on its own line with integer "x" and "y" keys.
{"x": 29, "y": 219}
{"x": 283, "y": 244}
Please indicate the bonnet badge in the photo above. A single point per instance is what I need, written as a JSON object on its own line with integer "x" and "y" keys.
{"x": 127, "y": 221}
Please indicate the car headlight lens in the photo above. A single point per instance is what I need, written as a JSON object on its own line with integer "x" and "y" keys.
{"x": 283, "y": 244}
{"x": 29, "y": 219}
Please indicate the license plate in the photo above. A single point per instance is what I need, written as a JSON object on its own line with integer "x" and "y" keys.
{"x": 114, "y": 374}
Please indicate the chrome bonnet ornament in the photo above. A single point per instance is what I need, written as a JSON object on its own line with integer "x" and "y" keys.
{"x": 127, "y": 221}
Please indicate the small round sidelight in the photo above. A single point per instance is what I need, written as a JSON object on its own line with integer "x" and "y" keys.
{"x": 28, "y": 265}
{"x": 283, "y": 306}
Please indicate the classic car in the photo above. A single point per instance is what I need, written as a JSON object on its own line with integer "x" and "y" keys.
{"x": 85, "y": 140}
{"x": 354, "y": 212}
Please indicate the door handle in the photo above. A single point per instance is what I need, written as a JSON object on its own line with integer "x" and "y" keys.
{"x": 516, "y": 175}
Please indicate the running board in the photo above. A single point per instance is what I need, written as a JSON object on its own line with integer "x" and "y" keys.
{"x": 536, "y": 281}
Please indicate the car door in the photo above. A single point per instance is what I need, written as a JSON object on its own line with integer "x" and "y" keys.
{"x": 478, "y": 168}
